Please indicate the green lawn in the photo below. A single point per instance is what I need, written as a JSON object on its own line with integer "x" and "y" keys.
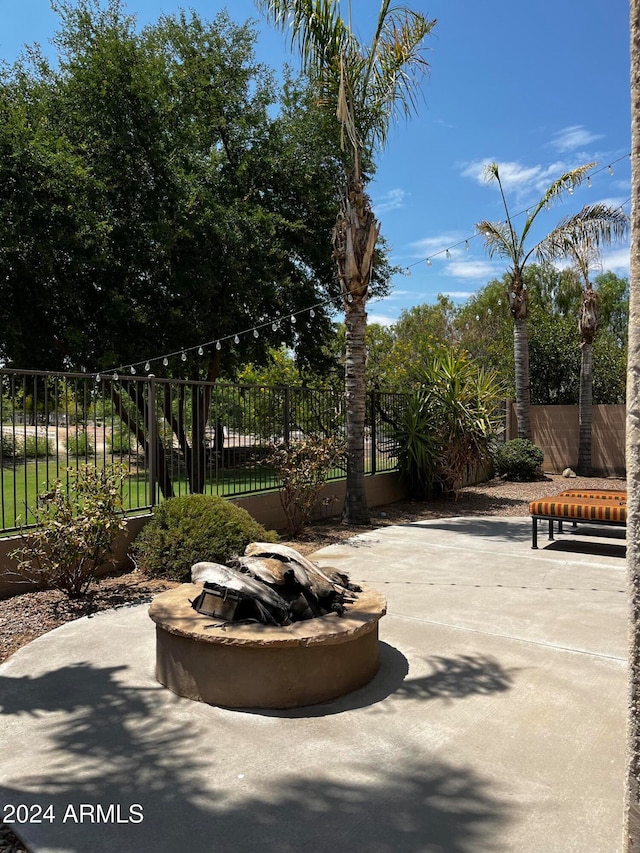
{"x": 21, "y": 483}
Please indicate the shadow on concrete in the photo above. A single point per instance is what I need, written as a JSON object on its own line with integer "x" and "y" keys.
{"x": 491, "y": 527}
{"x": 451, "y": 678}
{"x": 117, "y": 747}
{"x": 459, "y": 677}
{"x": 588, "y": 547}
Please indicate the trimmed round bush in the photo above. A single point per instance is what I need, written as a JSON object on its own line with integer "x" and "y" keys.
{"x": 191, "y": 528}
{"x": 518, "y": 459}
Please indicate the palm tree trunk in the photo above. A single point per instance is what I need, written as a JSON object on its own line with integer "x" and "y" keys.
{"x": 354, "y": 240}
{"x": 523, "y": 390}
{"x": 631, "y": 830}
{"x": 585, "y": 410}
{"x": 355, "y": 506}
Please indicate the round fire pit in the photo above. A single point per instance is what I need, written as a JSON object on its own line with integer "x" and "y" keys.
{"x": 265, "y": 666}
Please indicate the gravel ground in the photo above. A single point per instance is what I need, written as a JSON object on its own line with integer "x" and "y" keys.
{"x": 25, "y": 617}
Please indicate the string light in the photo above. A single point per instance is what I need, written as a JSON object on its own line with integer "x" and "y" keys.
{"x": 165, "y": 361}
{"x": 610, "y": 170}
{"x": 184, "y": 356}
{"x": 236, "y": 339}
{"x": 200, "y": 351}
{"x": 255, "y": 333}
{"x": 147, "y": 367}
{"x": 218, "y": 345}
{"x": 132, "y": 369}
{"x": 428, "y": 262}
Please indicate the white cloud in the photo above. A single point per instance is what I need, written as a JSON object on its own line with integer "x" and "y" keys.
{"x": 616, "y": 260}
{"x": 516, "y": 177}
{"x": 571, "y": 138}
{"x": 470, "y": 269}
{"x": 459, "y": 294}
{"x": 430, "y": 246}
{"x": 391, "y": 200}
{"x": 381, "y": 319}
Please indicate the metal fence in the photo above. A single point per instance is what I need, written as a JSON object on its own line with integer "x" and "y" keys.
{"x": 174, "y": 437}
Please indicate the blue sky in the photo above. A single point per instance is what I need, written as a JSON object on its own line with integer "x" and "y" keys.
{"x": 539, "y": 88}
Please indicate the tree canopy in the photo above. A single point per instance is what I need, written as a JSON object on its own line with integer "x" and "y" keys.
{"x": 158, "y": 192}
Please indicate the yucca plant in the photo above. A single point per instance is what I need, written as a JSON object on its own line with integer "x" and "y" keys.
{"x": 449, "y": 425}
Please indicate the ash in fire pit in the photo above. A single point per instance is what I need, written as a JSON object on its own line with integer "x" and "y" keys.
{"x": 271, "y": 584}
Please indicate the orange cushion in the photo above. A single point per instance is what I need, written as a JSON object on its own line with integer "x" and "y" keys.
{"x": 600, "y": 494}
{"x": 614, "y": 511}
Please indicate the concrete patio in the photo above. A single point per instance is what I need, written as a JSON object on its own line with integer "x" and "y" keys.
{"x": 496, "y": 722}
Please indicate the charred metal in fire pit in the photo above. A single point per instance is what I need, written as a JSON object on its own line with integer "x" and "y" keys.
{"x": 272, "y": 584}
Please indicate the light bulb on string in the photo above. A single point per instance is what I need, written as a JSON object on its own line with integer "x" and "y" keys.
{"x": 236, "y": 340}
{"x": 466, "y": 245}
{"x": 132, "y": 369}
{"x": 293, "y": 319}
{"x": 274, "y": 326}
{"x": 589, "y": 181}
{"x": 183, "y": 356}
{"x": 428, "y": 262}
{"x": 147, "y": 367}
{"x": 218, "y": 345}
{"x": 350, "y": 298}
{"x": 570, "y": 190}
{"x": 312, "y": 313}
{"x": 611, "y": 170}
{"x": 408, "y": 271}
{"x": 98, "y": 377}
{"x": 255, "y": 333}
{"x": 165, "y": 361}
{"x": 200, "y": 351}
{"x": 115, "y": 377}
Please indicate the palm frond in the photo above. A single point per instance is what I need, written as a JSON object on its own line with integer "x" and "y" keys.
{"x": 555, "y": 190}
{"x": 394, "y": 66}
{"x": 581, "y": 236}
{"x": 499, "y": 239}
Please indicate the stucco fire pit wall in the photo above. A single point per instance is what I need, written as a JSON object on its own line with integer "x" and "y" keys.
{"x": 264, "y": 666}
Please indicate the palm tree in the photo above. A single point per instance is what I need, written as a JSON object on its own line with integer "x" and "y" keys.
{"x": 365, "y": 86}
{"x": 502, "y": 239}
{"x": 631, "y": 833}
{"x": 580, "y": 237}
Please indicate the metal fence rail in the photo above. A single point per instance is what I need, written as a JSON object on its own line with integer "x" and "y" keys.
{"x": 174, "y": 436}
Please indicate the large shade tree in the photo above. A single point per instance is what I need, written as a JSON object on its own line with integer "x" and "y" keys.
{"x": 365, "y": 86}
{"x": 501, "y": 238}
{"x": 158, "y": 192}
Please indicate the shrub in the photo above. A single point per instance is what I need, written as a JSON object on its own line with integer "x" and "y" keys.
{"x": 518, "y": 459}
{"x": 76, "y": 528}
{"x": 191, "y": 528}
{"x": 35, "y": 446}
{"x": 7, "y": 446}
{"x": 79, "y": 445}
{"x": 302, "y": 468}
{"x": 121, "y": 440}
